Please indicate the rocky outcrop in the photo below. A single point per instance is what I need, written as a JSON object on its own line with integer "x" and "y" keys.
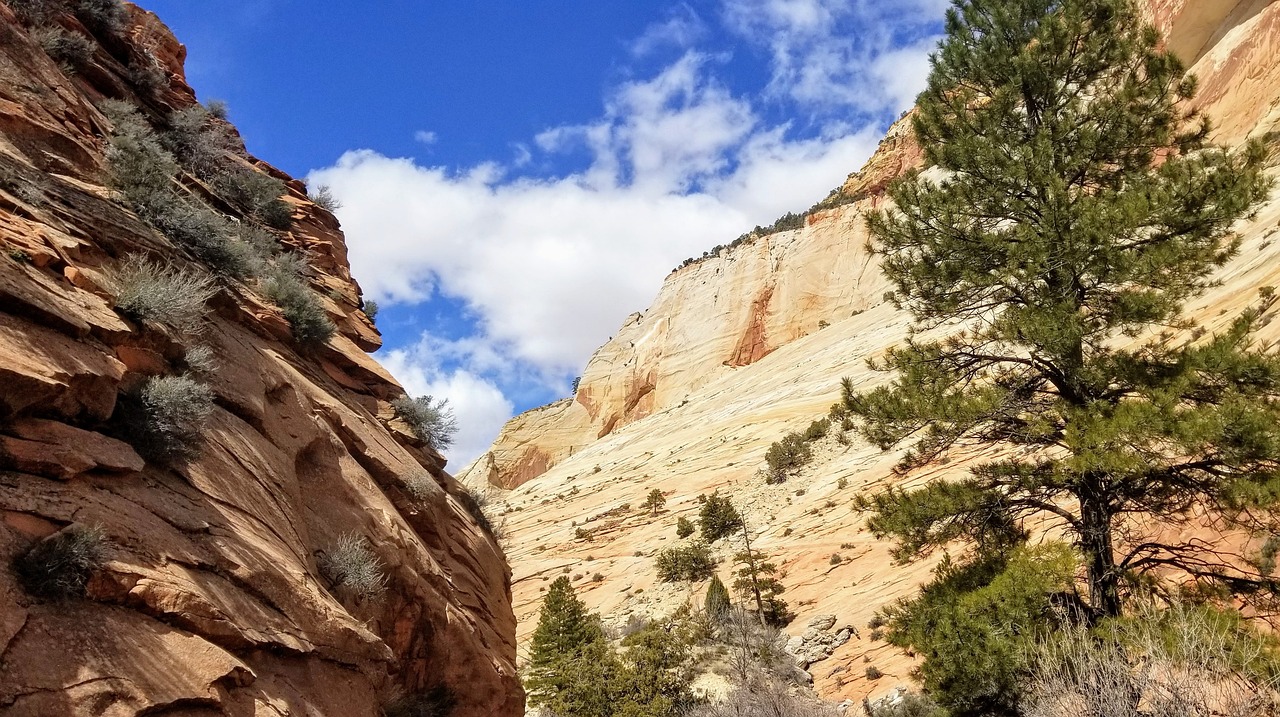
{"x": 750, "y": 343}
{"x": 820, "y": 639}
{"x": 208, "y": 598}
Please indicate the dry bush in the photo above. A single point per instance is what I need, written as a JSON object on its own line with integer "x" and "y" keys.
{"x": 256, "y": 194}
{"x": 26, "y": 188}
{"x": 755, "y": 651}
{"x": 147, "y": 75}
{"x": 351, "y": 564}
{"x": 198, "y": 141}
{"x": 165, "y": 420}
{"x": 69, "y": 49}
{"x": 767, "y": 698}
{"x": 37, "y": 12}
{"x": 324, "y": 198}
{"x": 421, "y": 486}
{"x": 155, "y": 292}
{"x": 141, "y": 170}
{"x": 432, "y": 421}
{"x": 1185, "y": 663}
{"x": 101, "y": 16}
{"x": 307, "y": 318}
{"x": 200, "y": 360}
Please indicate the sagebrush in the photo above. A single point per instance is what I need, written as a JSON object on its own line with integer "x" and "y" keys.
{"x": 351, "y": 564}
{"x": 258, "y": 195}
{"x": 69, "y": 49}
{"x": 307, "y": 318}
{"x": 198, "y": 141}
{"x": 165, "y": 419}
{"x": 148, "y": 290}
{"x": 430, "y": 419}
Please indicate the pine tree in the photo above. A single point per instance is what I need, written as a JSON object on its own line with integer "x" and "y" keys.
{"x": 757, "y": 581}
{"x": 718, "y": 518}
{"x": 1075, "y": 207}
{"x": 654, "y": 501}
{"x": 716, "y": 604}
{"x": 569, "y": 657}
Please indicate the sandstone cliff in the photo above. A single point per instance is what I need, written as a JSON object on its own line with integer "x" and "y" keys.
{"x": 745, "y": 345}
{"x": 209, "y": 599}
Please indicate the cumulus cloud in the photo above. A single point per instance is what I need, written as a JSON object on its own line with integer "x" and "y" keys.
{"x": 426, "y": 137}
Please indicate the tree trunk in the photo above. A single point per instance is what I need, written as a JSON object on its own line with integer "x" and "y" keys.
{"x": 751, "y": 565}
{"x": 1096, "y": 517}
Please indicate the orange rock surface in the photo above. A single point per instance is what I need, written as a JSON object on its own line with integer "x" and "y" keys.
{"x": 210, "y": 601}
{"x": 742, "y": 347}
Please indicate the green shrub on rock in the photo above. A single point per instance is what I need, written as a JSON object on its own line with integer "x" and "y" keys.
{"x": 59, "y": 566}
{"x": 684, "y": 527}
{"x": 690, "y": 563}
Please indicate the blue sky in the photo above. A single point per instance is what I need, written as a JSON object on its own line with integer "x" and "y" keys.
{"x": 519, "y": 175}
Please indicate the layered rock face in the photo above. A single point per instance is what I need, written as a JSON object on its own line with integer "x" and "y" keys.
{"x": 746, "y": 345}
{"x": 209, "y": 598}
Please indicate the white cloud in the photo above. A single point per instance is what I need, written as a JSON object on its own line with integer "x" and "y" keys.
{"x": 830, "y": 54}
{"x": 426, "y": 137}
{"x": 681, "y": 30}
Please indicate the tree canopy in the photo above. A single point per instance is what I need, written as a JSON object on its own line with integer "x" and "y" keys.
{"x": 718, "y": 518}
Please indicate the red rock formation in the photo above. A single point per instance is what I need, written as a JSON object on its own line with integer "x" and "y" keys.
{"x": 210, "y": 600}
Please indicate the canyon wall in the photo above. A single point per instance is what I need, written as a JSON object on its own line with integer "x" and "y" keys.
{"x": 209, "y": 599}
{"x": 750, "y": 343}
